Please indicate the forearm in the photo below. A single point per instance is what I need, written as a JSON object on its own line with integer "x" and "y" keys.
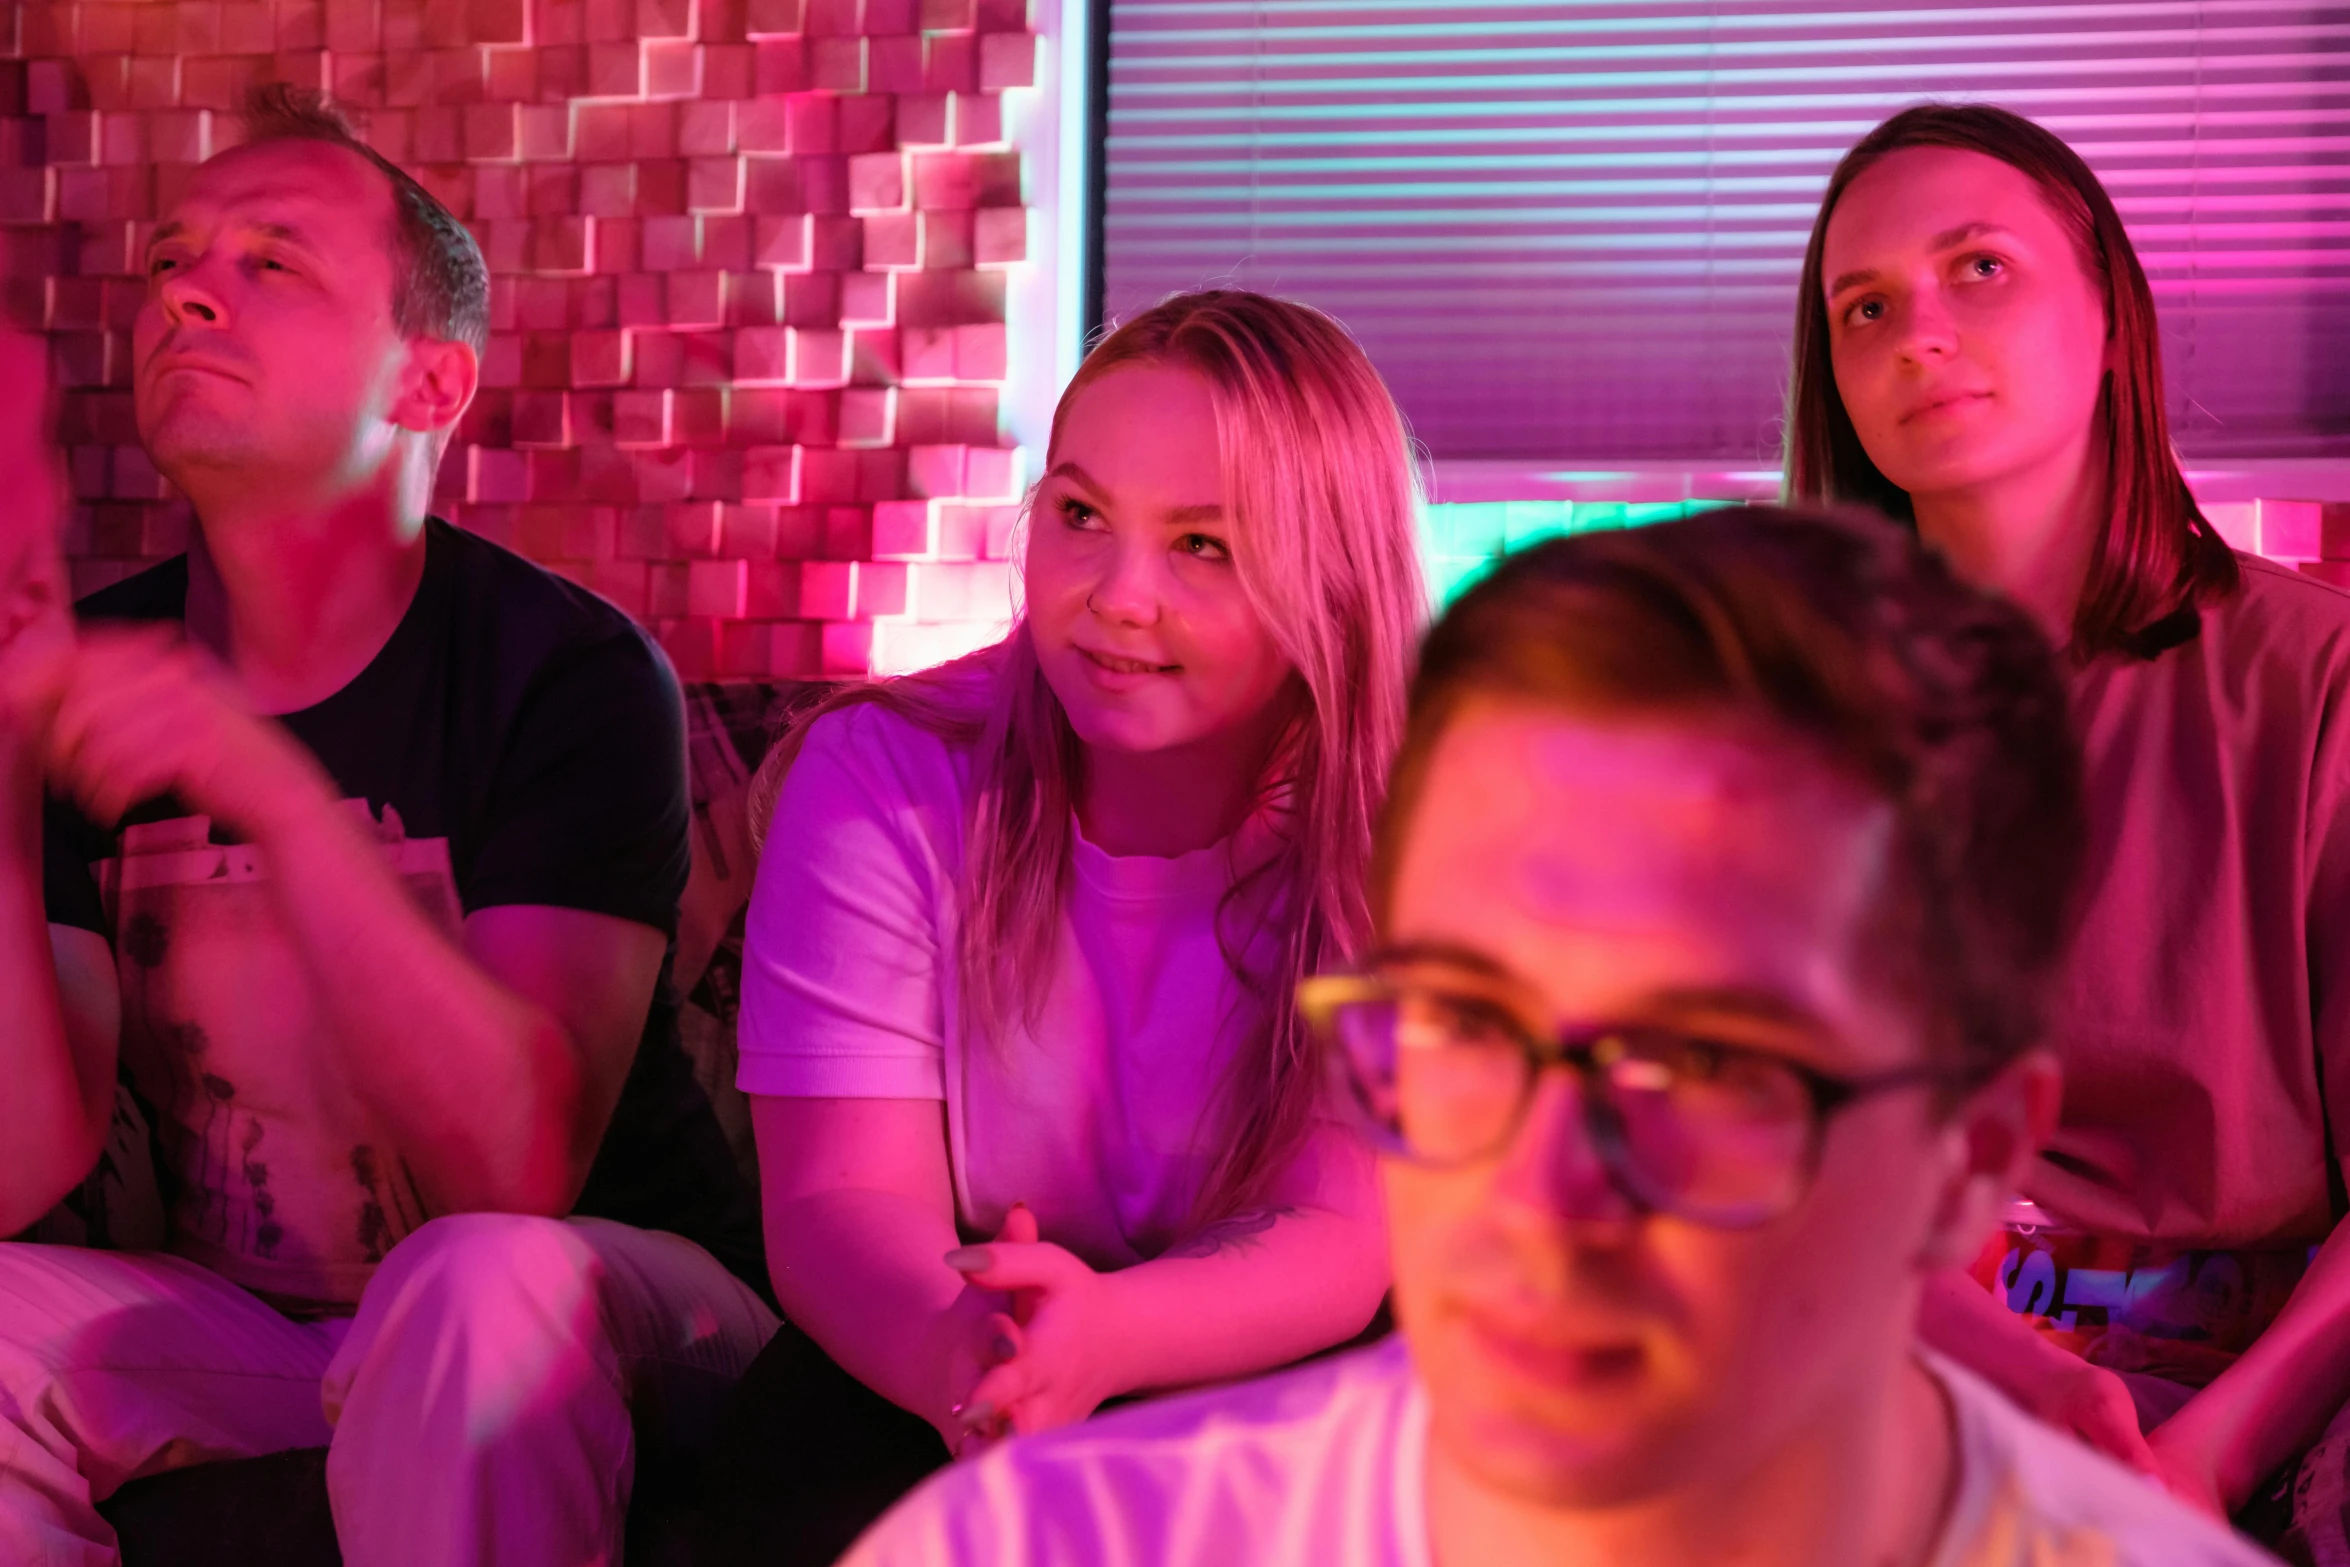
{"x": 57, "y": 1103}
{"x": 861, "y": 1273}
{"x": 480, "y": 1088}
{"x": 1267, "y": 1287}
{"x": 1957, "y": 1317}
{"x": 2278, "y": 1397}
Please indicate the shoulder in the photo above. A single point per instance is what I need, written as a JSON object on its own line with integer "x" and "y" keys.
{"x": 488, "y": 579}
{"x": 887, "y": 759}
{"x": 160, "y": 592}
{"x": 527, "y": 620}
{"x": 1298, "y": 1456}
{"x": 2281, "y": 614}
{"x": 876, "y": 732}
{"x": 2039, "y": 1496}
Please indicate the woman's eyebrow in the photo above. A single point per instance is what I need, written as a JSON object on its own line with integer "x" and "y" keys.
{"x": 1179, "y": 517}
{"x": 1951, "y": 237}
{"x": 1948, "y": 239}
{"x": 1845, "y": 280}
{"x": 1444, "y": 952}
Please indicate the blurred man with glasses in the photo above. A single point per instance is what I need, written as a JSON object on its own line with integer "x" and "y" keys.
{"x": 1722, "y": 870}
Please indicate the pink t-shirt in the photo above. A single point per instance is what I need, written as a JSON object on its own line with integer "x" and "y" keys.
{"x": 2204, "y": 1017}
{"x": 1100, "y": 1115}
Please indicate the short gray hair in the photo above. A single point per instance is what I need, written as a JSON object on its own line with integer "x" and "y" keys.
{"x": 440, "y": 284}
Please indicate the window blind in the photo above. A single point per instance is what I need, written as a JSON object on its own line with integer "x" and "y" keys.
{"x": 1573, "y": 230}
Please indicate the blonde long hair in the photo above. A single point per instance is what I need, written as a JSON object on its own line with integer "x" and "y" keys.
{"x": 1323, "y": 495}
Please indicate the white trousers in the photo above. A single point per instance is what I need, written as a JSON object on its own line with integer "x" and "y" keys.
{"x": 476, "y": 1410}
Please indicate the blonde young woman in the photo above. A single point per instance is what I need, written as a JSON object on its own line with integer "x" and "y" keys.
{"x": 1038, "y": 1123}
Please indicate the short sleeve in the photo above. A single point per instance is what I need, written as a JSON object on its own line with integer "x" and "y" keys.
{"x": 68, "y": 887}
{"x": 588, "y": 808}
{"x": 842, "y": 954}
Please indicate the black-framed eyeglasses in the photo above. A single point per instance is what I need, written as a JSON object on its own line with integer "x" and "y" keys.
{"x": 1719, "y": 1134}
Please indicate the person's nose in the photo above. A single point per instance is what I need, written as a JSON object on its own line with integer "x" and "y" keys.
{"x": 1552, "y": 1168}
{"x": 188, "y": 295}
{"x": 1129, "y": 590}
{"x": 1928, "y": 333}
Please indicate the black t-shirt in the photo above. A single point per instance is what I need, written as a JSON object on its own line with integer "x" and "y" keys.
{"x": 534, "y": 731}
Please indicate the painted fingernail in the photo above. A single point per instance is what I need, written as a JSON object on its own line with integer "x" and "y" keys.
{"x": 978, "y": 1414}
{"x": 1005, "y": 1349}
{"x": 968, "y": 1259}
{"x": 955, "y": 1409}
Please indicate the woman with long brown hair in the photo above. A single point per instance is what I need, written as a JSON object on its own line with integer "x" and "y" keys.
{"x": 1038, "y": 1122}
{"x": 1976, "y": 354}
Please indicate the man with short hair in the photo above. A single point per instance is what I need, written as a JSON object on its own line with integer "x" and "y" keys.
{"x": 357, "y": 885}
{"x": 1719, "y": 881}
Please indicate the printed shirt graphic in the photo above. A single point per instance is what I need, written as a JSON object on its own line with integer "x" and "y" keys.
{"x": 1324, "y": 1466}
{"x": 281, "y": 1183}
{"x": 516, "y": 742}
{"x": 2181, "y": 1314}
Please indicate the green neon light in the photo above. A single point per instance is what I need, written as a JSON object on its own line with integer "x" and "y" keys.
{"x": 1460, "y": 541}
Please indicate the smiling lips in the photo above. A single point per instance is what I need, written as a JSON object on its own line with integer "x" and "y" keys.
{"x": 1126, "y": 666}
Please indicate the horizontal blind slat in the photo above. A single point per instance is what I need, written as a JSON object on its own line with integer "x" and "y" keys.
{"x": 1573, "y": 230}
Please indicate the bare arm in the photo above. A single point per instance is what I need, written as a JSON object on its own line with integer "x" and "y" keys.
{"x": 1268, "y": 1285}
{"x": 495, "y": 1061}
{"x": 59, "y": 1010}
{"x": 860, "y": 1215}
{"x": 1261, "y": 1289}
{"x": 60, "y": 1021}
{"x": 1960, "y": 1319}
{"x": 2276, "y": 1399}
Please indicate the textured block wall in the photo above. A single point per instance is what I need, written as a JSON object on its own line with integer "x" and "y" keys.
{"x": 748, "y": 266}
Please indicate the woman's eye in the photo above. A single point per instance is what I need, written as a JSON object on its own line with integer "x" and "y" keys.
{"x": 1865, "y": 311}
{"x": 1984, "y": 267}
{"x": 1076, "y": 513}
{"x": 1203, "y": 546}
{"x": 160, "y": 265}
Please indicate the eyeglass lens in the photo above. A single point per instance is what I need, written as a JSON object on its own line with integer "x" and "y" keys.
{"x": 1698, "y": 1130}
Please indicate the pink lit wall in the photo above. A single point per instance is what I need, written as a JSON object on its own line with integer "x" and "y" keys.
{"x": 749, "y": 261}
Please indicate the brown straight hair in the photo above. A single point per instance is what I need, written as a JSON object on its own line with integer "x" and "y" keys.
{"x": 1841, "y": 637}
{"x": 2158, "y": 556}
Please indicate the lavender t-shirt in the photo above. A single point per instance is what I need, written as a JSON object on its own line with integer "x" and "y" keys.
{"x": 2204, "y": 1016}
{"x": 1101, "y": 1112}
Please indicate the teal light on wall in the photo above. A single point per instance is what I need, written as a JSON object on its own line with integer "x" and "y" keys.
{"x": 1461, "y": 540}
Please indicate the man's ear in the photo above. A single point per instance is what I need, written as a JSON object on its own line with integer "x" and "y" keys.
{"x": 1988, "y": 1141}
{"x": 436, "y": 387}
